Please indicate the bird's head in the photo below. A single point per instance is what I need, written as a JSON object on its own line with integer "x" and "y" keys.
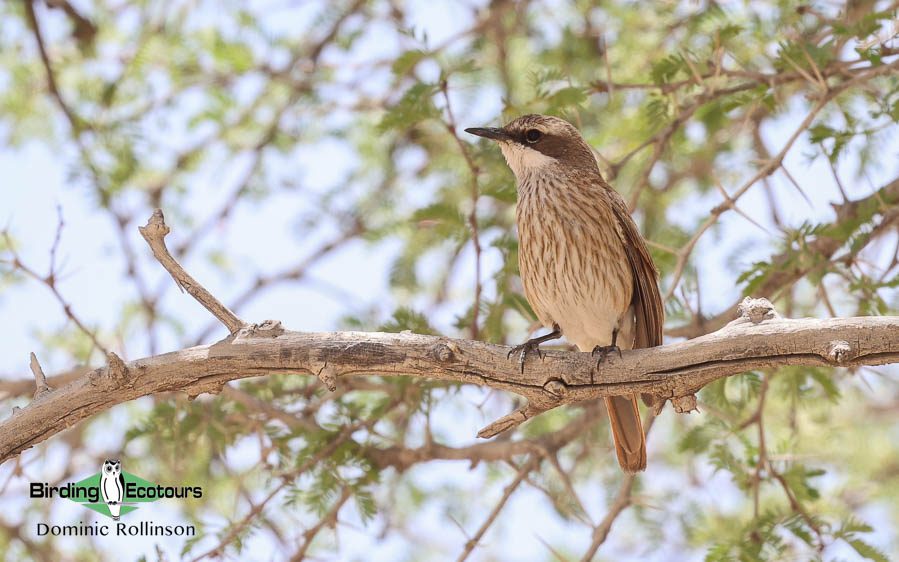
{"x": 536, "y": 144}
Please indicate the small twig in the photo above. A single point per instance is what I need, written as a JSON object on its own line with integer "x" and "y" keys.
{"x": 705, "y": 407}
{"x": 836, "y": 178}
{"x": 763, "y": 451}
{"x": 733, "y": 205}
{"x": 19, "y": 387}
{"x": 472, "y": 215}
{"x": 605, "y": 56}
{"x": 522, "y": 473}
{"x": 330, "y": 518}
{"x": 693, "y": 70}
{"x": 821, "y": 82}
{"x": 795, "y": 506}
{"x": 822, "y": 290}
{"x": 553, "y": 551}
{"x": 799, "y": 69}
{"x": 622, "y": 500}
{"x": 56, "y": 239}
{"x": 75, "y": 121}
{"x": 553, "y": 458}
{"x": 154, "y": 233}
{"x": 286, "y": 480}
{"x": 509, "y": 421}
{"x": 796, "y": 184}
{"x": 49, "y": 281}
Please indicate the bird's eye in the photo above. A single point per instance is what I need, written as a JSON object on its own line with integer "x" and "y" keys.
{"x": 533, "y": 135}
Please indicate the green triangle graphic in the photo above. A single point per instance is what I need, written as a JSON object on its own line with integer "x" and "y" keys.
{"x": 102, "y": 508}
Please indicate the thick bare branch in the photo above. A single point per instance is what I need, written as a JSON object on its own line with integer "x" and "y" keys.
{"x": 754, "y": 341}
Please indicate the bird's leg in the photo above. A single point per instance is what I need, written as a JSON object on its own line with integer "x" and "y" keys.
{"x": 533, "y": 344}
{"x": 604, "y": 350}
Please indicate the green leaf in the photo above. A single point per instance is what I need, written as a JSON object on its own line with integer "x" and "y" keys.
{"x": 406, "y": 61}
{"x": 667, "y": 68}
{"x": 567, "y": 97}
{"x": 408, "y": 319}
{"x": 416, "y": 105}
{"x": 867, "y": 551}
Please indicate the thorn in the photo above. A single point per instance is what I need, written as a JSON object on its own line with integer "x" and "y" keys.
{"x": 40, "y": 380}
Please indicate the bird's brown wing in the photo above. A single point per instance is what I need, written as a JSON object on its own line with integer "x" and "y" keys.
{"x": 624, "y": 414}
{"x": 647, "y": 302}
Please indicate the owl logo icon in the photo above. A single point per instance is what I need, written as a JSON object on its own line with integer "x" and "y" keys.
{"x": 112, "y": 486}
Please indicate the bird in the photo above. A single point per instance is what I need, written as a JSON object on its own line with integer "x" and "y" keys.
{"x": 585, "y": 268}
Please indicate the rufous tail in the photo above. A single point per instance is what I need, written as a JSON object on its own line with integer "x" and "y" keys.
{"x": 627, "y": 432}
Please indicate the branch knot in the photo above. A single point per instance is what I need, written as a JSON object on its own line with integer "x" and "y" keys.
{"x": 156, "y": 229}
{"x": 684, "y": 404}
{"x": 556, "y": 388}
{"x": 839, "y": 351}
{"x": 757, "y": 310}
{"x": 266, "y": 329}
{"x": 116, "y": 371}
{"x": 443, "y": 352}
{"x": 328, "y": 375}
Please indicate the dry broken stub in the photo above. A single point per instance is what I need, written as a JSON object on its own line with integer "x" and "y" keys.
{"x": 757, "y": 310}
{"x": 684, "y": 404}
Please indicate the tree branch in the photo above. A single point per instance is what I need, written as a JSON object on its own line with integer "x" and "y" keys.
{"x": 758, "y": 339}
{"x": 154, "y": 233}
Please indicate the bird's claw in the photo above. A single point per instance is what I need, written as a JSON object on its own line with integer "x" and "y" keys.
{"x": 604, "y": 351}
{"x": 523, "y": 351}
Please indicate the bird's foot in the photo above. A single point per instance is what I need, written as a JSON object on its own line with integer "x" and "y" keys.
{"x": 533, "y": 344}
{"x": 604, "y": 351}
{"x": 522, "y": 350}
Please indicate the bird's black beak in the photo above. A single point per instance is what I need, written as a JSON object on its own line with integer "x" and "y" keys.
{"x": 489, "y": 133}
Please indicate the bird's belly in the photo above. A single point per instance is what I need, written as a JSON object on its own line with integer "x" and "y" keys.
{"x": 577, "y": 281}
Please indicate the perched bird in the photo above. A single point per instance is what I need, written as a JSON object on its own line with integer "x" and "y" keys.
{"x": 585, "y": 267}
